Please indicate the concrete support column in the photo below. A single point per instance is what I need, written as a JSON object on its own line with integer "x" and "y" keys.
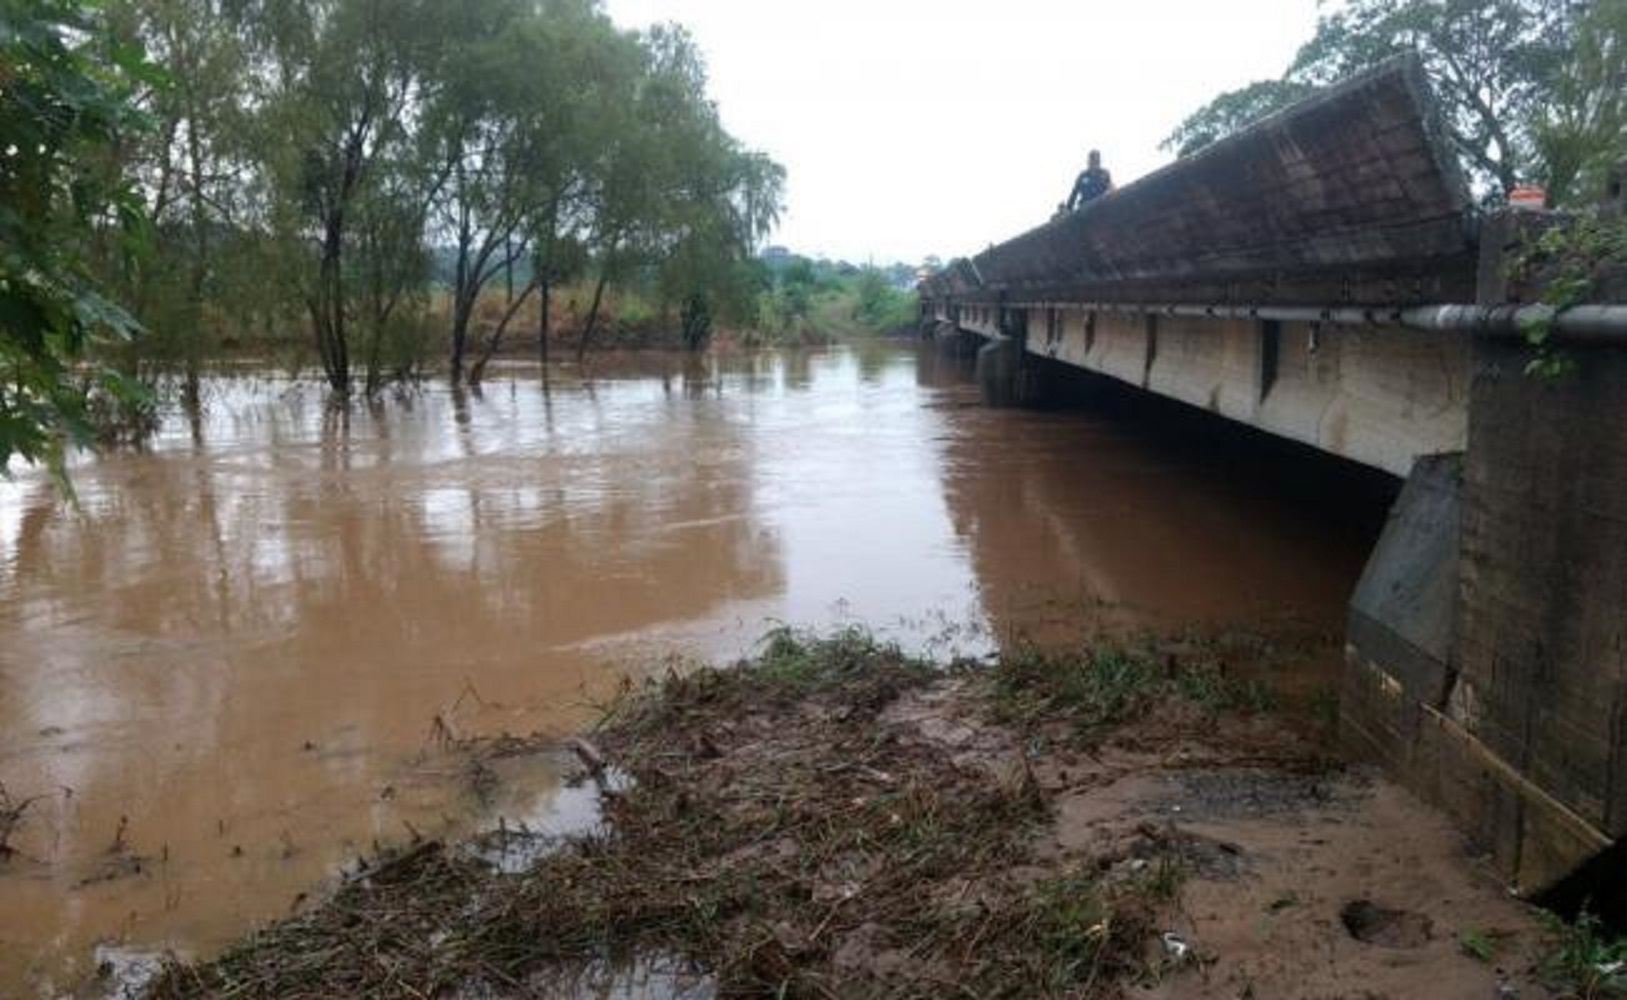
{"x": 1000, "y": 365}
{"x": 950, "y": 339}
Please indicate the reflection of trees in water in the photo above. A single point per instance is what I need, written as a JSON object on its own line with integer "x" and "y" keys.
{"x": 798, "y": 370}
{"x": 699, "y": 378}
{"x": 355, "y": 568}
{"x": 568, "y": 540}
{"x": 874, "y": 357}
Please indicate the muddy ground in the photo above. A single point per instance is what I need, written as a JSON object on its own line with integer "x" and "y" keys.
{"x": 835, "y": 819}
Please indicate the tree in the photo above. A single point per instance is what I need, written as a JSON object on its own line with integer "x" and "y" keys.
{"x": 712, "y": 269}
{"x": 1582, "y": 130}
{"x": 481, "y": 121}
{"x": 520, "y": 101}
{"x": 678, "y": 198}
{"x": 1233, "y": 111}
{"x": 65, "y": 104}
{"x": 1492, "y": 64}
{"x": 338, "y": 128}
{"x": 189, "y": 168}
{"x": 305, "y": 155}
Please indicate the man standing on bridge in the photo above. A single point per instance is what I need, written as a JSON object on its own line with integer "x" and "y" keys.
{"x": 1093, "y": 182}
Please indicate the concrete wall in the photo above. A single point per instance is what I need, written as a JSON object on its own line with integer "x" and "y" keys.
{"x": 1381, "y": 396}
{"x": 1512, "y": 713}
{"x": 1541, "y": 653}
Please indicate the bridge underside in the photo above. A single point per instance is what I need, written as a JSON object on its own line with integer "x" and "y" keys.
{"x": 1378, "y": 395}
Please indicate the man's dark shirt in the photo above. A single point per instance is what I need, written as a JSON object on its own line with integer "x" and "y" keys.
{"x": 1093, "y": 182}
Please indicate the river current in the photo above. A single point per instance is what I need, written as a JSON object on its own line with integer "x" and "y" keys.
{"x": 227, "y": 668}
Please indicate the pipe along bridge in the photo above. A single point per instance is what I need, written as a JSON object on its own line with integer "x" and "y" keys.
{"x": 1326, "y": 277}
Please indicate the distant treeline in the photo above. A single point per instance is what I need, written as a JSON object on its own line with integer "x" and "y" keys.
{"x": 807, "y": 298}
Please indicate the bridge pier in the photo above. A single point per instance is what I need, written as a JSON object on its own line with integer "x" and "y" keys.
{"x": 1000, "y": 364}
{"x": 951, "y": 340}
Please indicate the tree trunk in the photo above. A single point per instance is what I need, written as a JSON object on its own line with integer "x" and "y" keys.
{"x": 695, "y": 322}
{"x": 508, "y": 267}
{"x": 328, "y": 308}
{"x": 477, "y": 371}
{"x": 542, "y": 323}
{"x": 593, "y": 318}
{"x": 331, "y": 278}
{"x": 460, "y": 334}
{"x": 462, "y": 301}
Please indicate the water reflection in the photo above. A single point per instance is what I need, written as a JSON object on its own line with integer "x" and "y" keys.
{"x": 1126, "y": 511}
{"x": 227, "y": 659}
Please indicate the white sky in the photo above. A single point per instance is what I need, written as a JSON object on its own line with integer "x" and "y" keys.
{"x": 912, "y": 127}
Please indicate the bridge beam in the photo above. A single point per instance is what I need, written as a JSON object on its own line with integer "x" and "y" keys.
{"x": 1377, "y": 394}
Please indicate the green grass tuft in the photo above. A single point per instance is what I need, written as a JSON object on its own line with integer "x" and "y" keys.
{"x": 1587, "y": 959}
{"x": 1108, "y": 686}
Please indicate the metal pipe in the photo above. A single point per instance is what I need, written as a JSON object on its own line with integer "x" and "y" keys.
{"x": 1584, "y": 322}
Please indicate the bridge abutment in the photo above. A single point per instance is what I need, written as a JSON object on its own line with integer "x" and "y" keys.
{"x": 1488, "y": 638}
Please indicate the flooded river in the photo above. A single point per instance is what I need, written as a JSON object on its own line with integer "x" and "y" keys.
{"x": 228, "y": 671}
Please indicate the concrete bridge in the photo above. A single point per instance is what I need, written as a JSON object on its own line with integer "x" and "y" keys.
{"x": 1325, "y": 276}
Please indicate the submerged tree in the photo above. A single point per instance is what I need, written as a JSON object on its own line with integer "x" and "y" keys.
{"x": 515, "y": 118}
{"x": 679, "y": 203}
{"x": 341, "y": 120}
{"x": 311, "y": 159}
{"x": 188, "y": 168}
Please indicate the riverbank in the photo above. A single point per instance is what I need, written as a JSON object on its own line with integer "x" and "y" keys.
{"x": 835, "y": 818}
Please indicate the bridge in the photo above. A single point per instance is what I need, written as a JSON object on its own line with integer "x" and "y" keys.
{"x": 1327, "y": 277}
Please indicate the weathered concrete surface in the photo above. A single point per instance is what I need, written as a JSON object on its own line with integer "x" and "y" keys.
{"x": 1400, "y": 638}
{"x": 1542, "y": 617}
{"x": 1381, "y": 396}
{"x": 955, "y": 341}
{"x": 1511, "y": 712}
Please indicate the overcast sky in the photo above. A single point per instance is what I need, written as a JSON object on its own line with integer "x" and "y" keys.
{"x": 915, "y": 127}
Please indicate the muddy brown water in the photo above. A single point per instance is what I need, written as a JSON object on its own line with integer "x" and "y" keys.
{"x": 220, "y": 674}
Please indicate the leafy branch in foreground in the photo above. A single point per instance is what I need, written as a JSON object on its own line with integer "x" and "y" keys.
{"x": 65, "y": 100}
{"x": 1568, "y": 259}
